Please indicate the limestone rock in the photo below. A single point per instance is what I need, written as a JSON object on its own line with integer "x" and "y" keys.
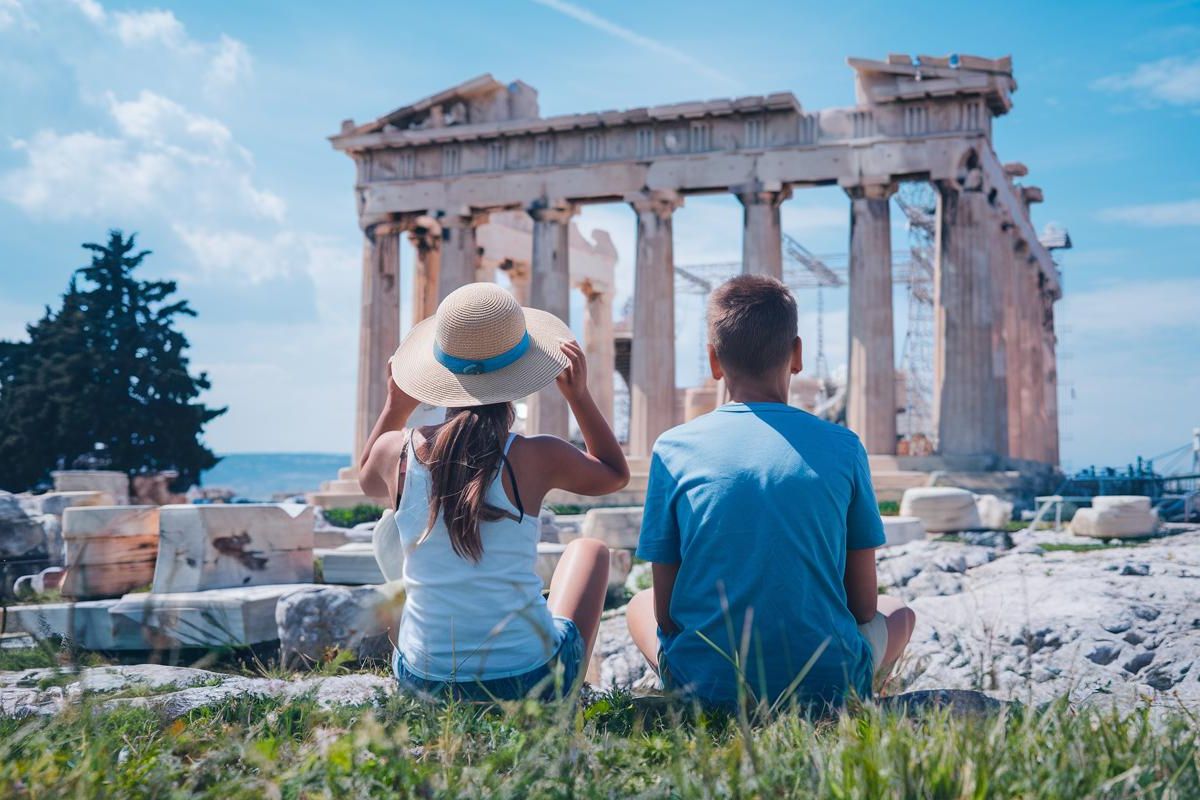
{"x": 111, "y": 482}
{"x": 21, "y": 536}
{"x": 1116, "y": 517}
{"x": 941, "y": 509}
{"x": 994, "y": 513}
{"x": 315, "y": 622}
{"x": 960, "y": 702}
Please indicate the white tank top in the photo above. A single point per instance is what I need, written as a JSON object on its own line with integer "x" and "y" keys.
{"x": 463, "y": 620}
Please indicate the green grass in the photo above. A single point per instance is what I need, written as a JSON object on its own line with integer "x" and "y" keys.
{"x": 349, "y": 517}
{"x": 889, "y": 508}
{"x": 253, "y": 748}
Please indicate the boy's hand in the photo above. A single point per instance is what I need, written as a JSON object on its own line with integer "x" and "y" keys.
{"x": 572, "y": 381}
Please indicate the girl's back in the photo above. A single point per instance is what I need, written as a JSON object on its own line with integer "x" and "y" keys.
{"x": 465, "y": 620}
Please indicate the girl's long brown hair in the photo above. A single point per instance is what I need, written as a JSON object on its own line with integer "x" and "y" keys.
{"x": 464, "y": 457}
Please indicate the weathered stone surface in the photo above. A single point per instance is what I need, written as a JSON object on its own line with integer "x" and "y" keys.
{"x": 223, "y": 546}
{"x": 616, "y": 527}
{"x": 175, "y": 691}
{"x": 21, "y": 536}
{"x": 902, "y": 530}
{"x": 87, "y": 623}
{"x": 211, "y": 618}
{"x": 994, "y": 512}
{"x": 110, "y": 550}
{"x": 620, "y": 561}
{"x": 314, "y": 622}
{"x": 959, "y": 702}
{"x": 352, "y": 564}
{"x": 111, "y": 482}
{"x": 58, "y": 502}
{"x": 1117, "y": 517}
{"x": 1035, "y": 626}
{"x": 941, "y": 508}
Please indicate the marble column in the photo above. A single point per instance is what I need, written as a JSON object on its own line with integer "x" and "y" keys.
{"x": 1050, "y": 451}
{"x": 599, "y": 346}
{"x": 1030, "y": 349}
{"x": 1000, "y": 267}
{"x": 964, "y": 396}
{"x": 1010, "y": 261}
{"x": 426, "y": 239}
{"x": 379, "y": 327}
{"x": 518, "y": 277}
{"x": 460, "y": 253}
{"x": 762, "y": 237}
{"x": 652, "y": 395}
{"x": 871, "y": 382}
{"x": 550, "y": 290}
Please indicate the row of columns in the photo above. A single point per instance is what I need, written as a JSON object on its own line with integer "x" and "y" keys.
{"x": 994, "y": 370}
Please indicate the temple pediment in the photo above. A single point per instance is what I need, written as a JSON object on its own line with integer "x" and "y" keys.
{"x": 482, "y": 99}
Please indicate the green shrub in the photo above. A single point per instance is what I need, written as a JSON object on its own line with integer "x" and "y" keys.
{"x": 889, "y": 508}
{"x": 349, "y": 517}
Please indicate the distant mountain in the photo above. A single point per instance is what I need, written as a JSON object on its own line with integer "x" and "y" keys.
{"x": 260, "y": 476}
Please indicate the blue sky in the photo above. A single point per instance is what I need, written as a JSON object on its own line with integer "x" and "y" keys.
{"x": 202, "y": 126}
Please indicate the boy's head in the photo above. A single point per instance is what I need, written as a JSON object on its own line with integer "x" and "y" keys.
{"x": 752, "y": 327}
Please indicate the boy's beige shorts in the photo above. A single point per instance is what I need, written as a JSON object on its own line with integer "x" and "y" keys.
{"x": 876, "y": 634}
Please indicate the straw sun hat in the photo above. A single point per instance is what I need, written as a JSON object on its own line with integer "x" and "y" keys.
{"x": 481, "y": 347}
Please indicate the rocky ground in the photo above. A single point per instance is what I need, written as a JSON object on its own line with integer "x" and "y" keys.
{"x": 1037, "y": 618}
{"x": 1026, "y": 620}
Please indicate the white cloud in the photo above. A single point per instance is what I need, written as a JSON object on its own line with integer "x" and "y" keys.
{"x": 1174, "y": 80}
{"x": 12, "y": 13}
{"x": 1156, "y": 215}
{"x": 1133, "y": 310}
{"x": 652, "y": 46}
{"x": 164, "y": 160}
{"x": 230, "y": 63}
{"x": 141, "y": 27}
{"x": 90, "y": 9}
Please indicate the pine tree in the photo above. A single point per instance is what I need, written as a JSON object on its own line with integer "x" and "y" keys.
{"x": 107, "y": 373}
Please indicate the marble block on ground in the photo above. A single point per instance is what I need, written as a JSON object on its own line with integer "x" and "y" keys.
{"x": 994, "y": 513}
{"x": 112, "y": 482}
{"x": 942, "y": 509}
{"x": 110, "y": 550}
{"x": 87, "y": 623}
{"x": 211, "y": 618}
{"x": 620, "y": 562}
{"x": 616, "y": 527}
{"x": 351, "y": 564}
{"x": 902, "y": 530}
{"x": 223, "y": 546}
{"x": 58, "y": 502}
{"x": 1114, "y": 522}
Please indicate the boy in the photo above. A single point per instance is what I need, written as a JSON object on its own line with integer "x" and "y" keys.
{"x": 761, "y": 526}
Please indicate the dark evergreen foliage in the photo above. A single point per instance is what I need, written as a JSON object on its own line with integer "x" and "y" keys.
{"x": 104, "y": 380}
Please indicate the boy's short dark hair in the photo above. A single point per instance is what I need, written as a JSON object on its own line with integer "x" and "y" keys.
{"x": 752, "y": 323}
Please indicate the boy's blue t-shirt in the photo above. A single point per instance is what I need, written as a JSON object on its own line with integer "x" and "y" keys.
{"x": 758, "y": 504}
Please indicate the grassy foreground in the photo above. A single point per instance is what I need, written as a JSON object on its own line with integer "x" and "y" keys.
{"x": 263, "y": 749}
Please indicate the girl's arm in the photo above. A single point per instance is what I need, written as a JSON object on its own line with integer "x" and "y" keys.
{"x": 379, "y": 462}
{"x": 601, "y": 469}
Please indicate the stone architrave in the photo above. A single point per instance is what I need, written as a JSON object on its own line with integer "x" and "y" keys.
{"x": 550, "y": 290}
{"x": 964, "y": 397}
{"x": 226, "y": 546}
{"x": 652, "y": 395}
{"x": 599, "y": 346}
{"x": 379, "y": 326}
{"x": 460, "y": 252}
{"x": 426, "y": 238}
{"x": 762, "y": 236}
{"x": 871, "y": 384}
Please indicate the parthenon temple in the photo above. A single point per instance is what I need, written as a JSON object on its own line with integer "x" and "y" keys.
{"x": 440, "y": 169}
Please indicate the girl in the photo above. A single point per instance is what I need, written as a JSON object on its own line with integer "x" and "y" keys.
{"x": 467, "y": 495}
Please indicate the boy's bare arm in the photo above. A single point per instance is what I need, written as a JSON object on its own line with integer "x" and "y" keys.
{"x": 862, "y": 586}
{"x": 664, "y": 584}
